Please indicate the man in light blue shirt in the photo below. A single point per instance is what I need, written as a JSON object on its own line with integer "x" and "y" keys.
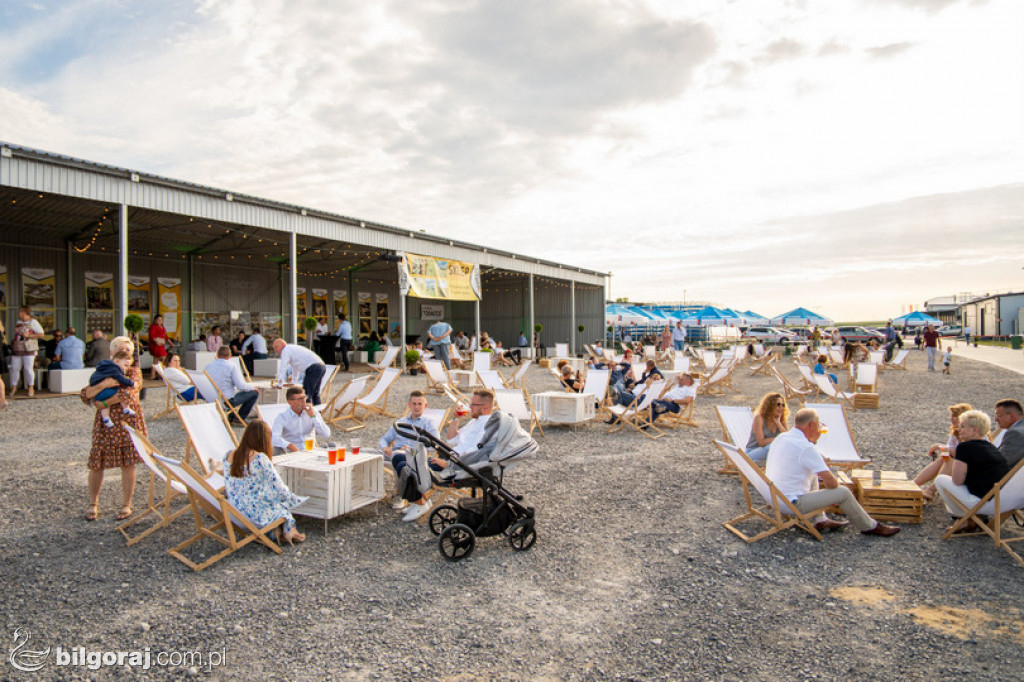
{"x": 70, "y": 352}
{"x": 344, "y": 334}
{"x": 291, "y": 427}
{"x": 679, "y": 337}
{"x": 399, "y": 449}
{"x": 227, "y": 375}
{"x": 440, "y": 334}
{"x": 258, "y": 352}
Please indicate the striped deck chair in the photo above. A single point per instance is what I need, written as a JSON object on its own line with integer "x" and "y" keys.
{"x": 238, "y": 530}
{"x": 776, "y": 510}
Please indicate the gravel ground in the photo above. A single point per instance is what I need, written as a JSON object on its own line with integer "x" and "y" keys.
{"x": 632, "y": 576}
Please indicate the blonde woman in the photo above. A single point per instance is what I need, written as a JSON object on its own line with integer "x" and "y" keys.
{"x": 942, "y": 455}
{"x": 769, "y": 422}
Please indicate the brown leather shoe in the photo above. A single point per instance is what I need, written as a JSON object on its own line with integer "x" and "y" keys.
{"x": 883, "y": 530}
{"x": 966, "y": 529}
{"x": 829, "y": 525}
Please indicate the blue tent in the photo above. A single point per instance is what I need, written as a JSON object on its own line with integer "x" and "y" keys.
{"x": 709, "y": 315}
{"x": 915, "y": 319}
{"x": 754, "y": 318}
{"x": 800, "y": 316}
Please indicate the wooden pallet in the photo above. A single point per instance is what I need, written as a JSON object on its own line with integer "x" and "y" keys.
{"x": 890, "y": 496}
{"x": 865, "y": 400}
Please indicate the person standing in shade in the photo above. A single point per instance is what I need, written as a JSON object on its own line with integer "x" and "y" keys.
{"x": 931, "y": 345}
{"x": 344, "y": 334}
{"x": 303, "y": 363}
{"x": 440, "y": 334}
{"x": 70, "y": 352}
{"x": 254, "y": 348}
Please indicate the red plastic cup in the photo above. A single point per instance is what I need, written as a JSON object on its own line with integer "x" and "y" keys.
{"x": 332, "y": 455}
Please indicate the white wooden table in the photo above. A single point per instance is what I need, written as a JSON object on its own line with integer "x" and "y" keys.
{"x": 266, "y": 367}
{"x": 335, "y": 489}
{"x": 464, "y": 378}
{"x": 557, "y": 407}
{"x": 269, "y": 395}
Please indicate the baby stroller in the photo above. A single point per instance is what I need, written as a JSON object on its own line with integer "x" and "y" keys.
{"x": 497, "y": 510}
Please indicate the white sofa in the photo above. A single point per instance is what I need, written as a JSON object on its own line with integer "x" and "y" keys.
{"x": 68, "y": 380}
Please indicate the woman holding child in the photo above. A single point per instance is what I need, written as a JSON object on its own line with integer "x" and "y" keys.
{"x": 111, "y": 446}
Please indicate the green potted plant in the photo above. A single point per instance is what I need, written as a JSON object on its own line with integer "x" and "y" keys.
{"x": 309, "y": 324}
{"x": 581, "y": 329}
{"x": 133, "y": 325}
{"x": 412, "y": 359}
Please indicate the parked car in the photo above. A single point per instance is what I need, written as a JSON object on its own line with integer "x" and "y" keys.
{"x": 951, "y": 330}
{"x": 861, "y": 334}
{"x": 772, "y": 335}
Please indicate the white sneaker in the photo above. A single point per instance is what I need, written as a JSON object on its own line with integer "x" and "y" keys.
{"x": 416, "y": 511}
{"x": 399, "y": 503}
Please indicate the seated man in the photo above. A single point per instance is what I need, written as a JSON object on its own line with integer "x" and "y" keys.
{"x": 97, "y": 350}
{"x": 677, "y": 397}
{"x": 69, "y": 353}
{"x": 795, "y": 465}
{"x": 1011, "y": 419}
{"x": 254, "y": 348}
{"x": 227, "y": 375}
{"x": 197, "y": 345}
{"x": 977, "y": 466}
{"x": 397, "y": 449}
{"x": 570, "y": 380}
{"x": 289, "y": 430}
{"x": 506, "y": 357}
{"x": 625, "y": 396}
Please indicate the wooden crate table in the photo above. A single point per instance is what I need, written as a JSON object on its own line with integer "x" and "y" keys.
{"x": 893, "y": 498}
{"x": 269, "y": 394}
{"x": 865, "y": 400}
{"x": 335, "y": 489}
{"x": 464, "y": 378}
{"x": 557, "y": 407}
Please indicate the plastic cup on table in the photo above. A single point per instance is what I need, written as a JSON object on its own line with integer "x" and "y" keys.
{"x": 354, "y": 446}
{"x": 332, "y": 453}
{"x": 341, "y": 453}
{"x": 310, "y": 442}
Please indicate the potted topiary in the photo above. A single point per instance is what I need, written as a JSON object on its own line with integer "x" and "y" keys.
{"x": 309, "y": 324}
{"x": 412, "y": 361}
{"x": 581, "y": 329}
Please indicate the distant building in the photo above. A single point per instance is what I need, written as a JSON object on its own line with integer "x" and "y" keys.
{"x": 996, "y": 315}
{"x": 946, "y": 308}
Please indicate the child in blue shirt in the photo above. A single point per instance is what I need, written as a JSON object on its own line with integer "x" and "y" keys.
{"x": 819, "y": 368}
{"x": 112, "y": 369}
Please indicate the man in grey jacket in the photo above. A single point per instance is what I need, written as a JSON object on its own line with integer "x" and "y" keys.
{"x": 98, "y": 349}
{"x": 1009, "y": 417}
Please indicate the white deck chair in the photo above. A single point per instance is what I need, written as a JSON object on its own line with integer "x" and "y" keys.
{"x": 719, "y": 379}
{"x": 899, "y": 360}
{"x": 740, "y": 353}
{"x": 516, "y": 402}
{"x": 242, "y": 367}
{"x": 342, "y": 405}
{"x": 518, "y": 378}
{"x": 210, "y": 393}
{"x": 157, "y": 479}
{"x": 877, "y": 357}
{"x": 638, "y": 415}
{"x": 758, "y": 350}
{"x": 680, "y": 363}
{"x": 209, "y": 434}
{"x": 832, "y": 391}
{"x": 791, "y": 391}
{"x": 174, "y": 397}
{"x": 561, "y": 350}
{"x": 491, "y": 379}
{"x": 596, "y": 384}
{"x": 776, "y": 510}
{"x": 736, "y": 421}
{"x": 269, "y": 413}
{"x": 650, "y": 352}
{"x": 609, "y": 356}
{"x": 835, "y": 357}
{"x": 807, "y": 374}
{"x": 437, "y": 376}
{"x": 708, "y": 358}
{"x": 388, "y": 360}
{"x": 238, "y": 529}
{"x": 325, "y": 383}
{"x": 482, "y": 361}
{"x": 838, "y": 445}
{"x": 376, "y": 400}
{"x": 866, "y": 378}
{"x": 998, "y": 504}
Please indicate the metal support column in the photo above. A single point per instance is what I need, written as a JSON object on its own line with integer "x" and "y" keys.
{"x": 533, "y": 322}
{"x": 191, "y": 272}
{"x": 71, "y": 292}
{"x": 402, "y": 300}
{"x": 572, "y": 317}
{"x": 122, "y": 267}
{"x": 293, "y": 286}
{"x": 476, "y": 321}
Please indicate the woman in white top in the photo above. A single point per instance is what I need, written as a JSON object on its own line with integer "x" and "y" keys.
{"x": 24, "y": 347}
{"x": 178, "y": 379}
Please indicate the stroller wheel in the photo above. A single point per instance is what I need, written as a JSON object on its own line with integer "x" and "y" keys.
{"x": 442, "y": 517}
{"x": 456, "y": 542}
{"x": 521, "y": 535}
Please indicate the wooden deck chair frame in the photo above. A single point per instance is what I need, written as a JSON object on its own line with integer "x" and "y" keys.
{"x": 866, "y": 377}
{"x": 378, "y": 395}
{"x": 833, "y": 392}
{"x": 708, "y": 359}
{"x": 437, "y": 376}
{"x": 807, "y": 376}
{"x": 223, "y": 402}
{"x": 992, "y": 505}
{"x": 238, "y": 529}
{"x": 341, "y": 406}
{"x": 241, "y": 365}
{"x": 596, "y": 384}
{"x": 330, "y": 371}
{"x": 503, "y": 398}
{"x": 684, "y": 417}
{"x": 899, "y": 361}
{"x": 491, "y": 379}
{"x": 157, "y": 479}
{"x": 835, "y": 358}
{"x": 790, "y": 391}
{"x": 841, "y": 433}
{"x": 778, "y": 512}
{"x": 207, "y": 461}
{"x": 174, "y": 397}
{"x": 734, "y": 419}
{"x": 201, "y": 380}
{"x": 518, "y": 378}
{"x": 390, "y": 356}
{"x": 719, "y": 379}
{"x": 638, "y": 415}
{"x": 763, "y": 364}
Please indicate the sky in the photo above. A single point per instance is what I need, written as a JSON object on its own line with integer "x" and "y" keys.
{"x": 856, "y": 157}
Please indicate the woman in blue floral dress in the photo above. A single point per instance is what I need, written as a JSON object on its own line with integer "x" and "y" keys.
{"x": 254, "y": 486}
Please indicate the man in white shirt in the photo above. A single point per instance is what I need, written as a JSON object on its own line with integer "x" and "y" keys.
{"x": 292, "y": 426}
{"x": 467, "y": 440}
{"x": 227, "y": 375}
{"x": 677, "y": 397}
{"x": 254, "y": 348}
{"x": 795, "y": 465}
{"x": 303, "y": 363}
{"x": 344, "y": 334}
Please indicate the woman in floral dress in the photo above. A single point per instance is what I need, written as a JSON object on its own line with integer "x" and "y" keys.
{"x": 254, "y": 487}
{"x": 113, "y": 447}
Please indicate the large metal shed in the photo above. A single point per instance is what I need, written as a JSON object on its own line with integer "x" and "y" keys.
{"x": 235, "y": 252}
